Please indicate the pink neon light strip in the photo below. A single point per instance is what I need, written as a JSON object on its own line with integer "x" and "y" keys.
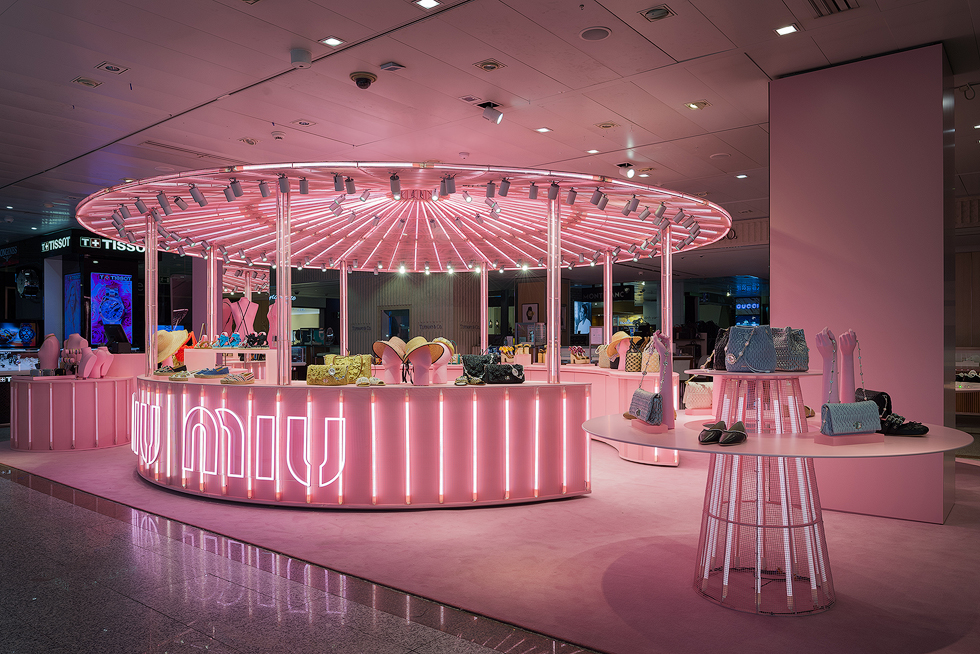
{"x": 537, "y": 440}
{"x": 474, "y": 449}
{"x": 374, "y": 451}
{"x": 506, "y": 444}
{"x": 249, "y": 480}
{"x": 408, "y": 455}
{"x": 278, "y": 445}
{"x": 442, "y": 451}
{"x": 308, "y": 446}
{"x": 343, "y": 454}
{"x": 564, "y": 441}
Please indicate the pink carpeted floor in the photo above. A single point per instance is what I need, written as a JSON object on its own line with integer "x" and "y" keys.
{"x": 611, "y": 571}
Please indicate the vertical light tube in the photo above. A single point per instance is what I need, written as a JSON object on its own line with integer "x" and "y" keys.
{"x": 343, "y": 453}
{"x": 213, "y": 279}
{"x": 537, "y": 441}
{"x": 474, "y": 448}
{"x": 484, "y": 309}
{"x": 248, "y": 446}
{"x": 344, "y": 317}
{"x": 564, "y": 440}
{"x": 506, "y": 444}
{"x": 151, "y": 285}
{"x": 374, "y": 450}
{"x": 607, "y": 299}
{"x": 408, "y": 450}
{"x": 308, "y": 444}
{"x": 284, "y": 290}
{"x": 553, "y": 356}
{"x": 666, "y": 287}
{"x": 277, "y": 447}
{"x": 442, "y": 450}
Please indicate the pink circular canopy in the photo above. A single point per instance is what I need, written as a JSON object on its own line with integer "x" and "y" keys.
{"x": 428, "y": 226}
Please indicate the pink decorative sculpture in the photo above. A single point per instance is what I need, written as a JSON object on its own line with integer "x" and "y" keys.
{"x": 662, "y": 345}
{"x": 103, "y": 358}
{"x": 49, "y": 353}
{"x": 622, "y": 348}
{"x": 825, "y": 345}
{"x": 87, "y": 364}
{"x": 846, "y": 343}
{"x": 421, "y": 362}
{"x": 391, "y": 365}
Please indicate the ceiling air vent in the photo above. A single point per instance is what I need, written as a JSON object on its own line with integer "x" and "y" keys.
{"x": 472, "y": 99}
{"x": 827, "y": 7}
{"x": 85, "y": 81}
{"x": 607, "y": 125}
{"x": 112, "y": 68}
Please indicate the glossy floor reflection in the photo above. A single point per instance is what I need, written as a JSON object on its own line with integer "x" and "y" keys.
{"x": 83, "y": 574}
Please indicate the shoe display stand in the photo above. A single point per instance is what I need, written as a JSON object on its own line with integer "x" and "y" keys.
{"x": 200, "y": 358}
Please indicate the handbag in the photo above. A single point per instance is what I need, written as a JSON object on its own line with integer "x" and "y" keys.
{"x": 634, "y": 357}
{"x": 839, "y": 418}
{"x": 651, "y": 360}
{"x": 792, "y": 353}
{"x": 474, "y": 365}
{"x": 697, "y": 394}
{"x": 604, "y": 361}
{"x": 504, "y": 373}
{"x": 881, "y": 398}
{"x": 326, "y": 375}
{"x": 718, "y": 354}
{"x": 644, "y": 405}
{"x": 750, "y": 349}
{"x": 358, "y": 365}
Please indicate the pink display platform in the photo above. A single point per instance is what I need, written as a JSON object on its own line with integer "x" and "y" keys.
{"x": 762, "y": 547}
{"x": 65, "y": 413}
{"x": 378, "y": 447}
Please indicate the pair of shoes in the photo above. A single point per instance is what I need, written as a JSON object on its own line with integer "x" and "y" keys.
{"x": 363, "y": 381}
{"x": 475, "y": 381}
{"x": 169, "y": 370}
{"x": 251, "y": 340}
{"x": 718, "y": 434}
{"x": 261, "y": 340}
{"x": 183, "y": 375}
{"x": 235, "y": 340}
{"x": 461, "y": 381}
{"x": 239, "y": 378}
{"x": 221, "y": 341}
{"x": 203, "y": 344}
{"x": 213, "y": 373}
{"x": 895, "y": 425}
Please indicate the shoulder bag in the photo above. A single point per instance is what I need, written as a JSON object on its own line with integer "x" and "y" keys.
{"x": 504, "y": 373}
{"x": 750, "y": 349}
{"x": 718, "y": 354}
{"x": 644, "y": 405}
{"x": 603, "y": 356}
{"x": 474, "y": 365}
{"x": 792, "y": 353}
{"x": 697, "y": 394}
{"x": 634, "y": 357}
{"x": 839, "y": 418}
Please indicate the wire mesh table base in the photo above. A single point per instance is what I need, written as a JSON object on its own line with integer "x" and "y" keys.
{"x": 772, "y": 405}
{"x": 762, "y": 547}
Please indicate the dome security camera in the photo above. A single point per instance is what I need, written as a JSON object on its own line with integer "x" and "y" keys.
{"x": 363, "y": 80}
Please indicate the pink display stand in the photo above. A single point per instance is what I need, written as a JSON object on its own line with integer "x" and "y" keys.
{"x": 65, "y": 413}
{"x": 439, "y": 371}
{"x": 622, "y": 348}
{"x": 356, "y": 447}
{"x": 391, "y": 367}
{"x": 421, "y": 360}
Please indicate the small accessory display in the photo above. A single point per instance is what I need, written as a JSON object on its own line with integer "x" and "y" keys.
{"x": 461, "y": 381}
{"x": 326, "y": 375}
{"x": 357, "y": 365}
{"x": 183, "y": 375}
{"x": 750, "y": 349}
{"x": 240, "y": 378}
{"x": 504, "y": 373}
{"x": 792, "y": 352}
{"x": 651, "y": 360}
{"x": 363, "y": 381}
{"x": 697, "y": 394}
{"x": 718, "y": 355}
{"x": 839, "y": 418}
{"x": 577, "y": 354}
{"x": 474, "y": 365}
{"x": 634, "y": 357}
{"x": 506, "y": 353}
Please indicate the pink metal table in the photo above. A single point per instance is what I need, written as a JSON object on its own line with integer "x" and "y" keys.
{"x": 762, "y": 547}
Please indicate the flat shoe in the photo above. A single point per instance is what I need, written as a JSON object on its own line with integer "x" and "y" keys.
{"x": 461, "y": 381}
{"x": 374, "y": 381}
{"x": 474, "y": 381}
{"x": 735, "y": 435}
{"x": 363, "y": 381}
{"x": 711, "y": 434}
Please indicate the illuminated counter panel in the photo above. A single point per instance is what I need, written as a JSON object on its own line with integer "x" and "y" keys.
{"x": 396, "y": 446}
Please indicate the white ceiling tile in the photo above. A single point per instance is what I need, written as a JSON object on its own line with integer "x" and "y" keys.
{"x": 737, "y": 79}
{"x": 790, "y": 54}
{"x": 706, "y": 145}
{"x": 745, "y": 23}
{"x": 752, "y": 141}
{"x": 848, "y": 40}
{"x": 686, "y": 35}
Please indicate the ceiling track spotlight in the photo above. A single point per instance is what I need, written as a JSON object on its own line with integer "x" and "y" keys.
{"x": 632, "y": 248}
{"x": 426, "y": 267}
{"x": 330, "y": 262}
{"x": 283, "y": 184}
{"x": 338, "y": 182}
{"x": 679, "y": 216}
{"x": 631, "y": 206}
{"x": 249, "y": 262}
{"x": 180, "y": 203}
{"x": 570, "y": 197}
{"x": 180, "y": 250}
{"x": 450, "y": 184}
{"x": 140, "y": 206}
{"x": 603, "y": 201}
{"x": 616, "y": 251}
{"x": 156, "y": 215}
{"x": 532, "y": 192}
{"x": 349, "y": 185}
{"x": 688, "y": 221}
{"x": 467, "y": 197}
{"x": 229, "y": 194}
{"x": 225, "y": 258}
{"x": 443, "y": 187}
{"x": 396, "y": 187}
{"x": 478, "y": 218}
{"x": 265, "y": 257}
{"x": 581, "y": 258}
{"x": 659, "y": 213}
{"x": 504, "y": 187}
{"x": 491, "y": 187}
{"x": 124, "y": 212}
{"x": 304, "y": 186}
{"x": 644, "y": 214}
{"x": 553, "y": 191}
{"x": 264, "y": 189}
{"x": 541, "y": 262}
{"x": 596, "y": 196}
{"x": 375, "y": 221}
{"x": 627, "y": 170}
{"x": 351, "y": 218}
{"x": 236, "y": 188}
{"x": 491, "y": 114}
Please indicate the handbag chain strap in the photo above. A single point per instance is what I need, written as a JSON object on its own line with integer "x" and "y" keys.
{"x": 833, "y": 365}
{"x": 833, "y": 371}
{"x": 864, "y": 386}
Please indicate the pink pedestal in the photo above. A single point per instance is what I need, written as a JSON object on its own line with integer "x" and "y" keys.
{"x": 421, "y": 360}
{"x": 765, "y": 403}
{"x": 622, "y": 348}
{"x": 391, "y": 367}
{"x": 439, "y": 370}
{"x": 65, "y": 413}
{"x": 364, "y": 447}
{"x": 848, "y": 439}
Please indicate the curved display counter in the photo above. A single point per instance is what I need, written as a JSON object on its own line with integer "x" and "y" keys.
{"x": 380, "y": 447}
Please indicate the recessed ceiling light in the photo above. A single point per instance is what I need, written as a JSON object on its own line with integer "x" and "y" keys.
{"x": 112, "y": 68}
{"x": 697, "y": 104}
{"x": 302, "y": 122}
{"x": 976, "y": 127}
{"x": 607, "y": 125}
{"x": 33, "y": 227}
{"x": 643, "y": 175}
{"x": 490, "y": 65}
{"x": 332, "y": 41}
{"x": 789, "y": 29}
{"x": 543, "y": 129}
{"x": 85, "y": 81}
{"x": 428, "y": 4}
{"x": 9, "y": 207}
{"x": 592, "y": 151}
{"x": 742, "y": 176}
{"x": 657, "y": 13}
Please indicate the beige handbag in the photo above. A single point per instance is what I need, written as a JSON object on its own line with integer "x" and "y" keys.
{"x": 327, "y": 375}
{"x": 357, "y": 365}
{"x": 651, "y": 360}
{"x": 603, "y": 356}
{"x": 697, "y": 395}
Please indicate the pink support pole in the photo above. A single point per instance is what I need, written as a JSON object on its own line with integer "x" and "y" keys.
{"x": 666, "y": 286}
{"x": 484, "y": 309}
{"x": 344, "y": 315}
{"x": 607, "y": 299}
{"x": 213, "y": 274}
{"x": 150, "y": 290}
{"x": 284, "y": 291}
{"x": 553, "y": 356}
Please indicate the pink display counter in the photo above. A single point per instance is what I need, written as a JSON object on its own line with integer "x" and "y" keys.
{"x": 65, "y": 413}
{"x": 382, "y": 447}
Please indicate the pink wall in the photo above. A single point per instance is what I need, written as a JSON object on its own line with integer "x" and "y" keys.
{"x": 859, "y": 191}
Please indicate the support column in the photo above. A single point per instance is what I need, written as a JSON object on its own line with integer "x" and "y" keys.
{"x": 667, "y": 284}
{"x": 213, "y": 274}
{"x": 607, "y": 299}
{"x": 553, "y": 357}
{"x": 484, "y": 308}
{"x": 248, "y": 285}
{"x": 284, "y": 291}
{"x": 151, "y": 287}
{"x": 344, "y": 312}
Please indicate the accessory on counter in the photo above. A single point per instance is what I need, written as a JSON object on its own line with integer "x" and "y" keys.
{"x": 374, "y": 381}
{"x": 363, "y": 381}
{"x": 475, "y": 381}
{"x": 733, "y": 435}
{"x": 604, "y": 360}
{"x": 212, "y": 373}
{"x": 895, "y": 425}
{"x": 263, "y": 340}
{"x": 711, "y": 434}
{"x": 461, "y": 380}
{"x": 251, "y": 340}
{"x": 168, "y": 342}
{"x": 881, "y": 398}
{"x": 235, "y": 340}
{"x": 634, "y": 356}
{"x": 613, "y": 347}
{"x": 357, "y": 365}
{"x": 507, "y": 353}
{"x": 792, "y": 353}
{"x": 750, "y": 349}
{"x": 407, "y": 373}
{"x": 474, "y": 365}
{"x": 697, "y": 394}
{"x": 718, "y": 354}
{"x": 577, "y": 354}
{"x": 169, "y": 370}
{"x": 239, "y": 379}
{"x": 651, "y": 360}
{"x": 222, "y": 340}
{"x": 644, "y": 405}
{"x": 808, "y": 412}
{"x": 839, "y": 418}
{"x": 435, "y": 349}
{"x": 396, "y": 345}
{"x": 326, "y": 375}
{"x": 183, "y": 375}
{"x": 504, "y": 373}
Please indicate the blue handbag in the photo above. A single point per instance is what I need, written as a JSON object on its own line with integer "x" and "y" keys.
{"x": 840, "y": 418}
{"x": 750, "y": 349}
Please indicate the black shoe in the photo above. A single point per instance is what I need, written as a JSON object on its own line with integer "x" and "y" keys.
{"x": 735, "y": 435}
{"x": 711, "y": 434}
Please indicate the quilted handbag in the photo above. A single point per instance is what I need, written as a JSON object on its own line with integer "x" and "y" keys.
{"x": 750, "y": 349}
{"x": 839, "y": 418}
{"x": 881, "y": 398}
{"x": 474, "y": 365}
{"x": 792, "y": 353}
{"x": 634, "y": 357}
{"x": 647, "y": 406}
{"x": 326, "y": 375}
{"x": 697, "y": 395}
{"x": 358, "y": 365}
{"x": 718, "y": 355}
{"x": 504, "y": 373}
{"x": 651, "y": 360}
{"x": 604, "y": 361}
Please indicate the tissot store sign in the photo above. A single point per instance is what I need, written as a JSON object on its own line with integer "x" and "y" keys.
{"x": 85, "y": 244}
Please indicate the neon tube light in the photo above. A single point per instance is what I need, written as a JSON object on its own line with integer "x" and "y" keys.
{"x": 537, "y": 440}
{"x": 442, "y": 451}
{"x": 506, "y": 444}
{"x": 408, "y": 454}
{"x": 374, "y": 451}
{"x": 474, "y": 448}
{"x": 343, "y": 448}
{"x": 564, "y": 441}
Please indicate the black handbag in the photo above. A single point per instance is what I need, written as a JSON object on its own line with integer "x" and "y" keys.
{"x": 718, "y": 356}
{"x": 504, "y": 373}
{"x": 474, "y": 365}
{"x": 881, "y": 398}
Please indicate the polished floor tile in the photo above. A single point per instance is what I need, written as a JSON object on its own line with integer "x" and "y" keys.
{"x": 83, "y": 574}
